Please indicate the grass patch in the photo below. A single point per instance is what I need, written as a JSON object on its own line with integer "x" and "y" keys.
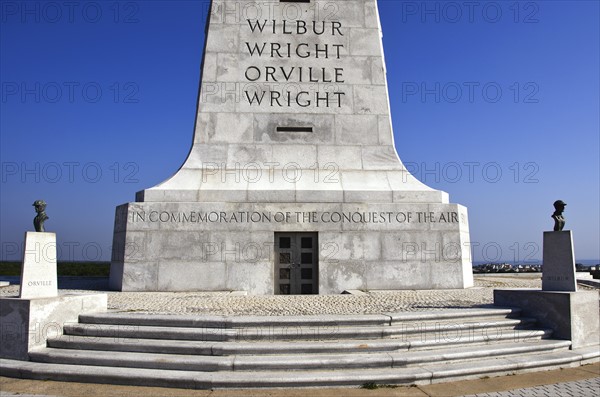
{"x": 82, "y": 269}
{"x": 369, "y": 385}
{"x": 374, "y": 386}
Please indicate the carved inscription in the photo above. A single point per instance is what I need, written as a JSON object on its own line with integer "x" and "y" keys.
{"x": 293, "y": 217}
{"x": 283, "y": 41}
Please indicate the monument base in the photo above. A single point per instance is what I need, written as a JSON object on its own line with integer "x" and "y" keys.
{"x": 27, "y": 323}
{"x": 571, "y": 315}
{"x": 290, "y": 248}
{"x": 38, "y": 269}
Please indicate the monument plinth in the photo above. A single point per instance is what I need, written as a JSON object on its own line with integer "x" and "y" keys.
{"x": 40, "y": 312}
{"x": 293, "y": 184}
{"x": 38, "y": 269}
{"x": 558, "y": 270}
{"x": 558, "y": 306}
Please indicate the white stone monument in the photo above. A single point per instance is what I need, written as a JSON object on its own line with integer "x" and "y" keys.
{"x": 558, "y": 305}
{"x": 293, "y": 184}
{"x": 38, "y": 269}
{"x": 40, "y": 312}
{"x": 558, "y": 270}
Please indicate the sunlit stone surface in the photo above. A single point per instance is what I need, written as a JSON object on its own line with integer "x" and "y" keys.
{"x": 293, "y": 184}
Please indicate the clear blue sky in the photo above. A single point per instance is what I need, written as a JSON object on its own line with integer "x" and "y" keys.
{"x": 496, "y": 104}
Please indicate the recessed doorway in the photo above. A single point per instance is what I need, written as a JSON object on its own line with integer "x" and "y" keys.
{"x": 296, "y": 263}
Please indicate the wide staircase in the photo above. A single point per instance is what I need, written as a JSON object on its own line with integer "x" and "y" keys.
{"x": 206, "y": 352}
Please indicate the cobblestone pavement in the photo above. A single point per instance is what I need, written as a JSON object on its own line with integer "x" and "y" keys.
{"x": 227, "y": 303}
{"x": 581, "y": 388}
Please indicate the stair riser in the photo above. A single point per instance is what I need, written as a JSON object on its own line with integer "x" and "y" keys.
{"x": 119, "y": 345}
{"x": 112, "y": 379}
{"x": 210, "y": 381}
{"x": 266, "y": 335}
{"x": 231, "y": 325}
{"x": 441, "y": 376}
{"x": 271, "y": 334}
{"x": 444, "y": 337}
{"x": 232, "y": 322}
{"x": 400, "y": 362}
{"x": 253, "y": 381}
{"x": 373, "y": 362}
{"x": 273, "y": 323}
{"x": 217, "y": 349}
{"x": 302, "y": 321}
{"x": 501, "y": 334}
{"x": 395, "y": 360}
{"x": 290, "y": 362}
{"x": 191, "y": 365}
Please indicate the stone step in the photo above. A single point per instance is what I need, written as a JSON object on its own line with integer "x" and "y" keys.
{"x": 415, "y": 342}
{"x": 590, "y": 283}
{"x": 270, "y": 333}
{"x": 420, "y": 374}
{"x": 288, "y": 352}
{"x": 260, "y": 363}
{"x": 226, "y": 322}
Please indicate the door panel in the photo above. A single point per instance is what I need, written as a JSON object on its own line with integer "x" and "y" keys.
{"x": 296, "y": 263}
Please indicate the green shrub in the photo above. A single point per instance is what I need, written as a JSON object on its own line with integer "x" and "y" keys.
{"x": 83, "y": 269}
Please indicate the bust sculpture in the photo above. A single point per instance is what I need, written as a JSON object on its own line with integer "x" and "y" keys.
{"x": 41, "y": 217}
{"x": 559, "y": 219}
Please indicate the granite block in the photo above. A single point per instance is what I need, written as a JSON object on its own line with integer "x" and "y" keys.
{"x": 571, "y": 315}
{"x": 26, "y": 324}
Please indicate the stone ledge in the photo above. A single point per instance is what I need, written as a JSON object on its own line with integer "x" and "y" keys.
{"x": 28, "y": 323}
{"x": 572, "y": 315}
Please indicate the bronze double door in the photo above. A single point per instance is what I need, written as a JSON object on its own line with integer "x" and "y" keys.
{"x": 296, "y": 263}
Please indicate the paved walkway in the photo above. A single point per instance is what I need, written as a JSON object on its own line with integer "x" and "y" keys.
{"x": 236, "y": 303}
{"x": 576, "y": 382}
{"x": 227, "y": 303}
{"x": 582, "y": 388}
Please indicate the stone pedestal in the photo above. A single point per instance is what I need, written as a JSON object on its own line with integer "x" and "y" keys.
{"x": 571, "y": 315}
{"x": 26, "y": 324}
{"x": 558, "y": 270}
{"x": 183, "y": 249}
{"x": 38, "y": 269}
